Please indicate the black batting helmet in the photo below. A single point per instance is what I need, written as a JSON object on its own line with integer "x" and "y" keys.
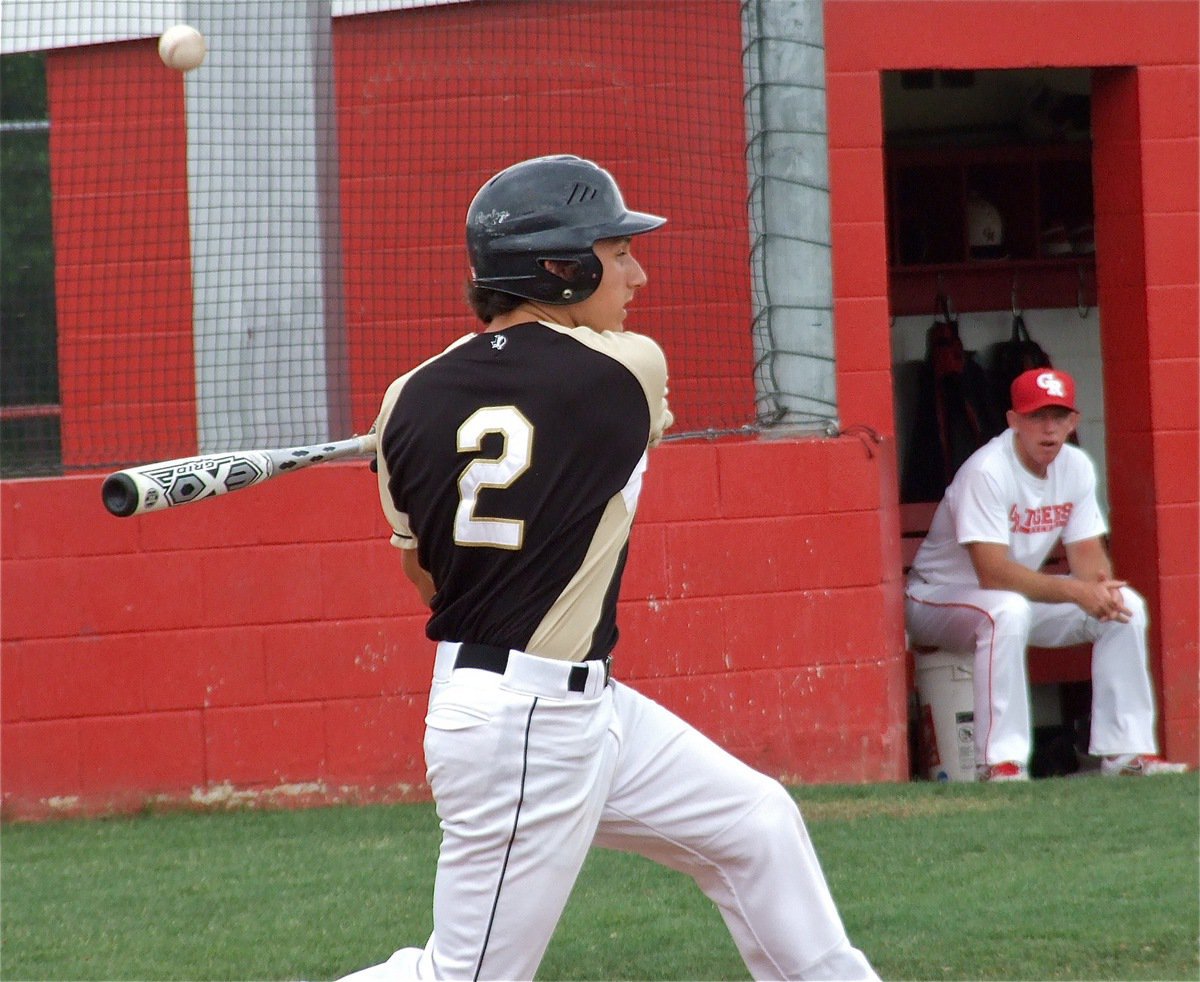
{"x": 547, "y": 208}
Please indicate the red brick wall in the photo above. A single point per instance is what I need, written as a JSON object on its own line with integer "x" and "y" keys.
{"x": 266, "y": 641}
{"x": 1145, "y": 127}
{"x": 267, "y": 645}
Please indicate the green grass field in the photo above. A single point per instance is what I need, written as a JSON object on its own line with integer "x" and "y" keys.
{"x": 1059, "y": 879}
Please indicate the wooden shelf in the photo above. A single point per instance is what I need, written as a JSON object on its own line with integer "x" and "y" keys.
{"x": 958, "y": 154}
{"x": 989, "y": 285}
{"x": 1033, "y": 187}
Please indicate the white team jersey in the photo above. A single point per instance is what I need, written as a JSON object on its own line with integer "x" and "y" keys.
{"x": 993, "y": 498}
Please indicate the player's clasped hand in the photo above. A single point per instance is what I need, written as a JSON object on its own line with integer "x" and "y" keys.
{"x": 1102, "y": 600}
{"x": 1114, "y": 608}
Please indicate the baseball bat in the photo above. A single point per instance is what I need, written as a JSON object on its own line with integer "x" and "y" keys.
{"x": 170, "y": 483}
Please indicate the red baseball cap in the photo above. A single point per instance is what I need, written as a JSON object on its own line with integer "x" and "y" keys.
{"x": 1041, "y": 387}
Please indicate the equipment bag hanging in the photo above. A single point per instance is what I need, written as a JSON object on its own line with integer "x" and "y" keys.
{"x": 955, "y": 414}
{"x": 1012, "y": 357}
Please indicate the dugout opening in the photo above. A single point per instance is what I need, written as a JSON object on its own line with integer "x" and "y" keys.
{"x": 990, "y": 226}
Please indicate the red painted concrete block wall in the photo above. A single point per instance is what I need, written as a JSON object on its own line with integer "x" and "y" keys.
{"x": 755, "y": 605}
{"x": 194, "y": 637}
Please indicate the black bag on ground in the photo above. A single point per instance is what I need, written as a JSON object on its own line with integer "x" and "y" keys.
{"x": 955, "y": 414}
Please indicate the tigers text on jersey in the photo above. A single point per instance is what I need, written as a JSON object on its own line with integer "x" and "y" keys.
{"x": 520, "y": 510}
{"x": 993, "y": 498}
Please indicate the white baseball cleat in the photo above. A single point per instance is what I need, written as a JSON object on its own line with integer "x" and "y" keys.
{"x": 1138, "y": 765}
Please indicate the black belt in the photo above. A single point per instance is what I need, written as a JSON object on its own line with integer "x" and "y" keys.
{"x": 490, "y": 658}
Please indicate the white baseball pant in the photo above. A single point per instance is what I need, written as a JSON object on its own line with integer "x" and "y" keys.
{"x": 998, "y": 625}
{"x": 528, "y": 775}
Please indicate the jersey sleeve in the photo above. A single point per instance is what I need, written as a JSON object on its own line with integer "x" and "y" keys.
{"x": 649, "y": 364}
{"x": 402, "y": 533}
{"x": 1087, "y": 520}
{"x": 980, "y": 508}
{"x": 661, "y": 417}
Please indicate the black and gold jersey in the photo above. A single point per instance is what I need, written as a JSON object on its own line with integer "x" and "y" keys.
{"x": 512, "y": 462}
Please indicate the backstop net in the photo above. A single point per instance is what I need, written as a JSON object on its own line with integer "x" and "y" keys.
{"x": 247, "y": 253}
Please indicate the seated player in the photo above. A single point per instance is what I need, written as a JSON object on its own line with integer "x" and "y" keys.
{"x": 976, "y": 586}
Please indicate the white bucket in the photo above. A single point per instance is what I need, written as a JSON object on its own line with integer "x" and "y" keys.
{"x": 947, "y": 707}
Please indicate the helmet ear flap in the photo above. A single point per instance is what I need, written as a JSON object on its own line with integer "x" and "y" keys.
{"x": 574, "y": 278}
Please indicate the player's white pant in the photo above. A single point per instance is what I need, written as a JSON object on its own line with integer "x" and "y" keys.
{"x": 527, "y": 776}
{"x": 998, "y": 625}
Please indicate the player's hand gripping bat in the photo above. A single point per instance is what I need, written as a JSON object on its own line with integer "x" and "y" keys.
{"x": 168, "y": 483}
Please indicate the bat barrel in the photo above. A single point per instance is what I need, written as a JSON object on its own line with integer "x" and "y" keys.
{"x": 120, "y": 494}
{"x": 169, "y": 483}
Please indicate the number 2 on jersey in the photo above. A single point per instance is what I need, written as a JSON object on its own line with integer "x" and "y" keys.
{"x": 491, "y": 472}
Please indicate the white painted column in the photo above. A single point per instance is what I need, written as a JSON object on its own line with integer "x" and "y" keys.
{"x": 792, "y": 256}
{"x": 262, "y": 173}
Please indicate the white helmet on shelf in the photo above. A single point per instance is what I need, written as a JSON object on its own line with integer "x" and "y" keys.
{"x": 985, "y": 228}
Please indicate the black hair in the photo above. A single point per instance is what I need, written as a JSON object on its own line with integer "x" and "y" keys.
{"x": 489, "y": 304}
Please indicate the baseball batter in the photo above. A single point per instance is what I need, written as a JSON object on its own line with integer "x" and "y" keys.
{"x": 975, "y": 586}
{"x": 510, "y": 467}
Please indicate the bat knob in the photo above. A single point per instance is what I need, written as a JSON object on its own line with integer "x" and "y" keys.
{"x": 120, "y": 495}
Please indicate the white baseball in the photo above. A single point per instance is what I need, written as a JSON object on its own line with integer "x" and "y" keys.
{"x": 182, "y": 47}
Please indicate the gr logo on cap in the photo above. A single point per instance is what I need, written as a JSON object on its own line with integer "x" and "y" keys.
{"x": 1041, "y": 387}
